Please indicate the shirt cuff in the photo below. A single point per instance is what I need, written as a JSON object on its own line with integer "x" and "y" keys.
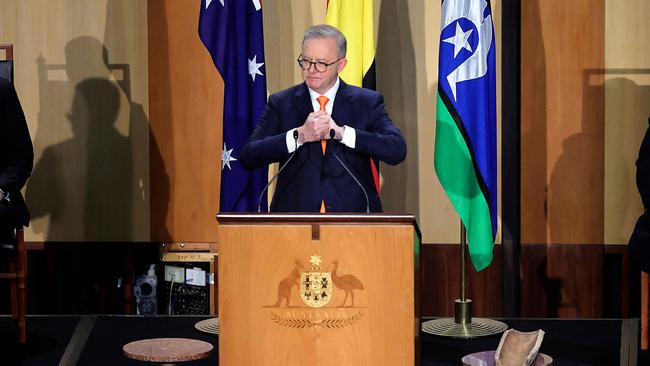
{"x": 349, "y": 138}
{"x": 291, "y": 142}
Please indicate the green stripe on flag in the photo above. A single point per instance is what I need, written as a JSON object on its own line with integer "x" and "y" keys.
{"x": 456, "y": 173}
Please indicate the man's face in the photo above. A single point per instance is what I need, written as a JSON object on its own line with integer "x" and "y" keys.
{"x": 321, "y": 50}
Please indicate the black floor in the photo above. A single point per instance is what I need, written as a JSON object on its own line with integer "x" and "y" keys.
{"x": 569, "y": 342}
{"x": 48, "y": 338}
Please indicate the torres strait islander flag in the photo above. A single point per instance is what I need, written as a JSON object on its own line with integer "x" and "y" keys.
{"x": 355, "y": 20}
{"x": 232, "y": 32}
{"x": 465, "y": 145}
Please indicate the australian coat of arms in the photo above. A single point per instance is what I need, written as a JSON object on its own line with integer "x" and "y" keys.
{"x": 315, "y": 286}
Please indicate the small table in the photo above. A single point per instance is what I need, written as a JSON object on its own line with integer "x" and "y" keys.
{"x": 167, "y": 350}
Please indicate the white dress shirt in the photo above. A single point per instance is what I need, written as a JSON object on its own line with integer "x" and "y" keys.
{"x": 349, "y": 138}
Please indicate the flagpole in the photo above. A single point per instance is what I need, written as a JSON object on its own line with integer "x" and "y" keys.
{"x": 463, "y": 243}
{"x": 462, "y": 325}
{"x": 463, "y": 306}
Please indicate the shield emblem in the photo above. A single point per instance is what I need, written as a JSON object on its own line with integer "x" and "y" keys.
{"x": 316, "y": 288}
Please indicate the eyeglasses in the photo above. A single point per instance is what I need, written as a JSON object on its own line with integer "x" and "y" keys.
{"x": 319, "y": 66}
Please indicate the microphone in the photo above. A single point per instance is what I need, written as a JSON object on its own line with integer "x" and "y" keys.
{"x": 295, "y": 140}
{"x": 332, "y": 134}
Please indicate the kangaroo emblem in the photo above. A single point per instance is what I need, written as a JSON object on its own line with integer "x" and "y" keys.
{"x": 287, "y": 283}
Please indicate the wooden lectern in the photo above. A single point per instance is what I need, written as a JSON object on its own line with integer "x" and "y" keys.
{"x": 318, "y": 289}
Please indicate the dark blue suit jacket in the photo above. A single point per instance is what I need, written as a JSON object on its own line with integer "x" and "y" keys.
{"x": 16, "y": 156}
{"x": 639, "y": 244}
{"x": 310, "y": 176}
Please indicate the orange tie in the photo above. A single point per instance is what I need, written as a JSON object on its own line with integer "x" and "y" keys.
{"x": 322, "y": 101}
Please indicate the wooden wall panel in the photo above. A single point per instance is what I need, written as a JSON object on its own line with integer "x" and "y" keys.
{"x": 557, "y": 281}
{"x": 441, "y": 282}
{"x": 627, "y": 109}
{"x": 186, "y": 95}
{"x": 563, "y": 158}
{"x": 82, "y": 80}
{"x": 564, "y": 281}
{"x": 562, "y": 122}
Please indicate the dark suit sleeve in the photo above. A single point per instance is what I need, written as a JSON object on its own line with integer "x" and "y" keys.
{"x": 17, "y": 150}
{"x": 382, "y": 140}
{"x": 643, "y": 169}
{"x": 267, "y": 144}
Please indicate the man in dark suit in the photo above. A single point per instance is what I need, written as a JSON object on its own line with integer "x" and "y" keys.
{"x": 314, "y": 180}
{"x": 16, "y": 159}
{"x": 639, "y": 244}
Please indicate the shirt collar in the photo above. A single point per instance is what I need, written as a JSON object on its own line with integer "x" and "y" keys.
{"x": 330, "y": 94}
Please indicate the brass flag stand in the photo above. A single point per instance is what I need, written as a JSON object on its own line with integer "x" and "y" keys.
{"x": 462, "y": 325}
{"x": 210, "y": 326}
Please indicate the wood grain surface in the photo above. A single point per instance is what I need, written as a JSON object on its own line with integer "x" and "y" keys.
{"x": 258, "y": 273}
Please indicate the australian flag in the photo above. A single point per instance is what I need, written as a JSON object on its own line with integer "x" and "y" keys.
{"x": 232, "y": 32}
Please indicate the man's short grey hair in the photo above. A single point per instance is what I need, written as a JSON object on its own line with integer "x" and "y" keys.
{"x": 327, "y": 31}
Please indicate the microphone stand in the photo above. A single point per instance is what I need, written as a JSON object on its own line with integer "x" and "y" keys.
{"x": 332, "y": 134}
{"x": 276, "y": 175}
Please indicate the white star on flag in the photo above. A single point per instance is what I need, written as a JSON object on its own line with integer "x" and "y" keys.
{"x": 459, "y": 40}
{"x": 208, "y": 2}
{"x": 226, "y": 157}
{"x": 257, "y": 5}
{"x": 254, "y": 67}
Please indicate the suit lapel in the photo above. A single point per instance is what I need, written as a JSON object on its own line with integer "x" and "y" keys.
{"x": 302, "y": 103}
{"x": 342, "y": 105}
{"x": 303, "y": 106}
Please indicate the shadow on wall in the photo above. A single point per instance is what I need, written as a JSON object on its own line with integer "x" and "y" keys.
{"x": 577, "y": 191}
{"x": 576, "y": 186}
{"x": 81, "y": 183}
{"x": 91, "y": 182}
{"x": 397, "y": 81}
{"x": 85, "y": 185}
{"x": 625, "y": 125}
